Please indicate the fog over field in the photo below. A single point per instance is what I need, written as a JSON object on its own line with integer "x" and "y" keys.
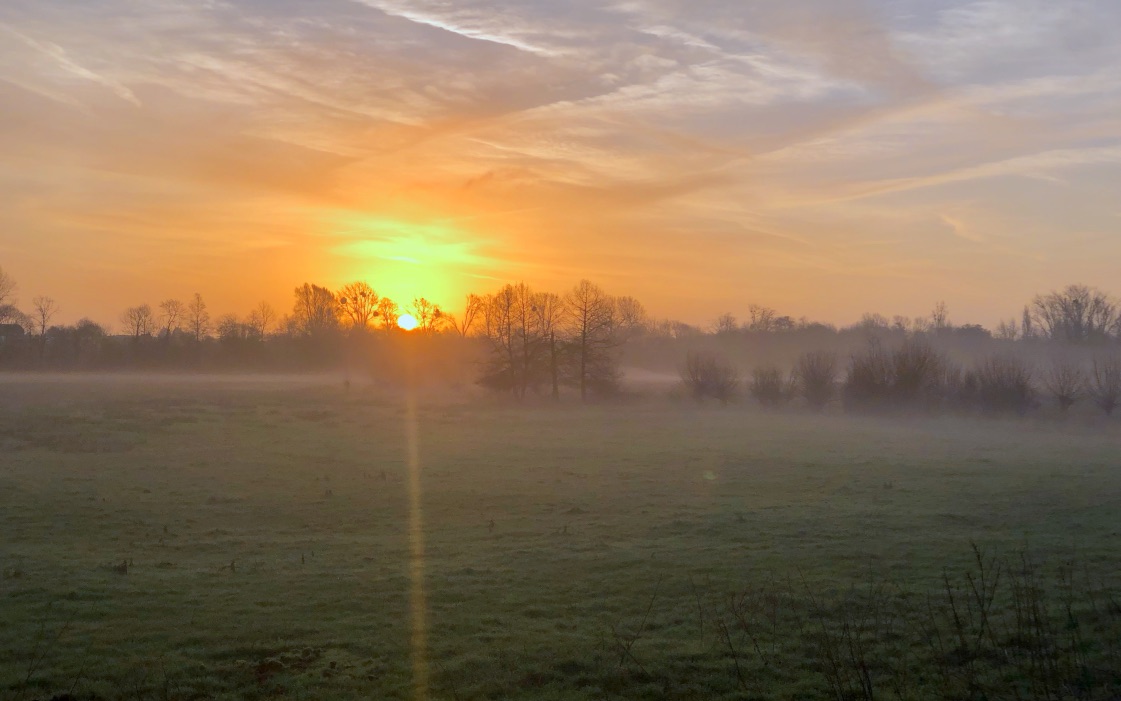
{"x": 290, "y": 537}
{"x": 560, "y": 350}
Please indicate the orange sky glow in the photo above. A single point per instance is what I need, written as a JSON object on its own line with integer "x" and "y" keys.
{"x": 826, "y": 157}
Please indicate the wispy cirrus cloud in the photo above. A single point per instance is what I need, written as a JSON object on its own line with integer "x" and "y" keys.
{"x": 840, "y": 144}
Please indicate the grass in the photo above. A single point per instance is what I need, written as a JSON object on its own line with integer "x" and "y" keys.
{"x": 235, "y": 539}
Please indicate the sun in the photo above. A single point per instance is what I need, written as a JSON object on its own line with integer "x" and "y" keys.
{"x": 407, "y": 322}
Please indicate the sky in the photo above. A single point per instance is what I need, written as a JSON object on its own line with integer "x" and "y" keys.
{"x": 822, "y": 157}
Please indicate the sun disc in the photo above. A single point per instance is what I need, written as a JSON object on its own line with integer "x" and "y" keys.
{"x": 407, "y": 322}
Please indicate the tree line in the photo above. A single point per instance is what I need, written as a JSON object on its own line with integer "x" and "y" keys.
{"x": 521, "y": 341}
{"x": 1063, "y": 351}
{"x": 525, "y": 341}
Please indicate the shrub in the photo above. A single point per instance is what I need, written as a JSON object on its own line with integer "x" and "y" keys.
{"x": 1105, "y": 382}
{"x": 816, "y": 374}
{"x": 770, "y": 386}
{"x": 1004, "y": 383}
{"x": 710, "y": 375}
{"x": 912, "y": 374}
{"x": 959, "y": 388}
{"x": 1066, "y": 383}
{"x": 918, "y": 372}
{"x": 870, "y": 378}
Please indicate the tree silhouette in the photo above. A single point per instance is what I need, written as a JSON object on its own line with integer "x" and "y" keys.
{"x": 500, "y": 372}
{"x": 198, "y": 318}
{"x": 632, "y": 319}
{"x": 261, "y": 319}
{"x": 591, "y": 334}
{"x": 9, "y": 314}
{"x": 172, "y": 312}
{"x": 1105, "y": 382}
{"x": 1066, "y": 383}
{"x": 710, "y": 375}
{"x": 388, "y": 312}
{"x": 358, "y": 305}
{"x": 45, "y": 310}
{"x": 138, "y": 321}
{"x": 760, "y": 318}
{"x": 817, "y": 378}
{"x": 549, "y": 312}
{"x": 428, "y": 316}
{"x": 725, "y": 324}
{"x": 1077, "y": 314}
{"x": 7, "y": 289}
{"x": 471, "y": 309}
{"x": 313, "y": 313}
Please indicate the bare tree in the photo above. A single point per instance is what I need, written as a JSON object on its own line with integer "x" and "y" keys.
{"x": 429, "y": 317}
{"x": 531, "y": 342}
{"x": 521, "y": 328}
{"x": 917, "y": 371}
{"x": 171, "y": 316}
{"x": 45, "y": 310}
{"x": 511, "y": 341}
{"x": 770, "y": 387}
{"x": 1105, "y": 382}
{"x": 591, "y": 334}
{"x": 198, "y": 318}
{"x": 633, "y": 320}
{"x": 725, "y": 324}
{"x": 232, "y": 330}
{"x": 138, "y": 321}
{"x": 939, "y": 317}
{"x": 870, "y": 380}
{"x": 1066, "y": 382}
{"x": 1007, "y": 330}
{"x": 549, "y": 311}
{"x": 498, "y": 330}
{"x": 314, "y": 311}
{"x": 1077, "y": 314}
{"x": 874, "y": 322}
{"x": 1004, "y": 382}
{"x": 760, "y": 318}
{"x": 9, "y": 314}
{"x": 817, "y": 377}
{"x": 471, "y": 308}
{"x": 358, "y": 305}
{"x": 7, "y": 287}
{"x": 388, "y": 312}
{"x": 710, "y": 375}
{"x": 1027, "y": 325}
{"x": 261, "y": 319}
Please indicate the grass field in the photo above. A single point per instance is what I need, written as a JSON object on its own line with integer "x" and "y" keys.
{"x": 202, "y": 538}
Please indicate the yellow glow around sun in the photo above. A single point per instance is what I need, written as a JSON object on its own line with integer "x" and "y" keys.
{"x": 405, "y": 257}
{"x": 407, "y": 322}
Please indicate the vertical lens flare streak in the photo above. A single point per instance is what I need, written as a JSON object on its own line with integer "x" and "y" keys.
{"x": 418, "y": 605}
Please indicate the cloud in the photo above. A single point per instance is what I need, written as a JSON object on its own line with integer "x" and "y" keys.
{"x": 861, "y": 139}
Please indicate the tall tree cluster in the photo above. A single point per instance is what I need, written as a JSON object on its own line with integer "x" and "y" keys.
{"x": 1076, "y": 314}
{"x": 539, "y": 341}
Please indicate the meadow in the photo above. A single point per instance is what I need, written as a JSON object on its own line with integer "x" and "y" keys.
{"x": 189, "y": 538}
